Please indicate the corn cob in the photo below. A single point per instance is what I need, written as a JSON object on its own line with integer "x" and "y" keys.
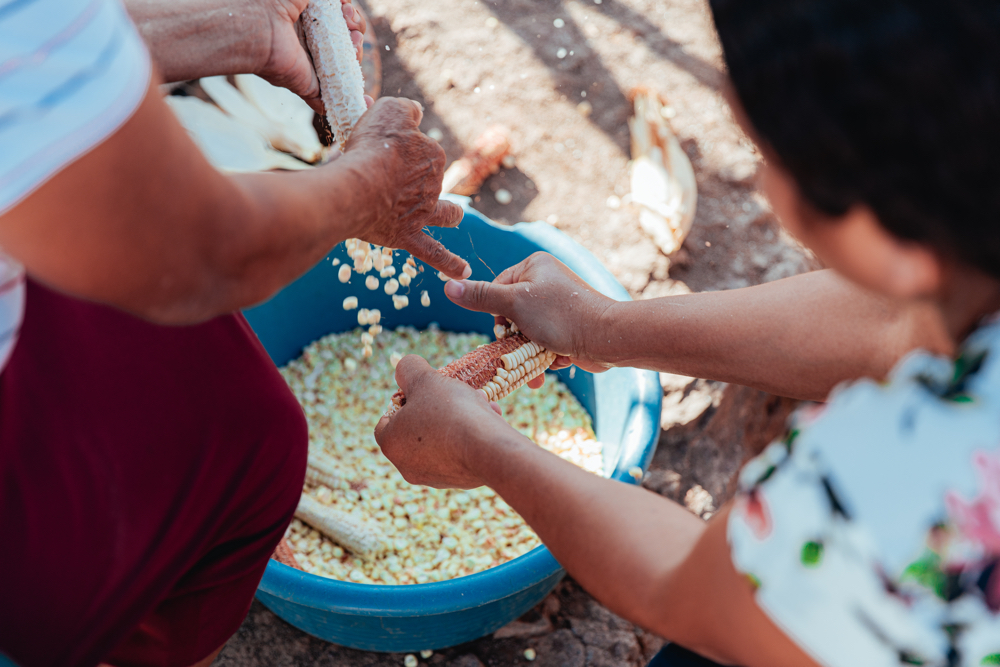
{"x": 496, "y": 369}
{"x": 340, "y": 80}
{"x": 283, "y": 554}
{"x": 322, "y": 470}
{"x": 347, "y": 530}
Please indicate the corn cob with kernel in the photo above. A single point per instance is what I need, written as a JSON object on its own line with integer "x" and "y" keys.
{"x": 322, "y": 469}
{"x": 347, "y": 530}
{"x": 496, "y": 369}
{"x": 283, "y": 553}
{"x": 341, "y": 83}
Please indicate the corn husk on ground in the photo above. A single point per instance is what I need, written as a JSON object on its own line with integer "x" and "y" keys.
{"x": 340, "y": 80}
{"x": 468, "y": 173}
{"x": 496, "y": 369}
{"x": 662, "y": 179}
{"x": 228, "y": 143}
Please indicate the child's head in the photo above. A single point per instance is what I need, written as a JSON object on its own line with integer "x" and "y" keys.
{"x": 881, "y": 111}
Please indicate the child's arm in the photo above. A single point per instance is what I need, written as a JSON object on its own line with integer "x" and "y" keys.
{"x": 795, "y": 337}
{"x": 646, "y": 558}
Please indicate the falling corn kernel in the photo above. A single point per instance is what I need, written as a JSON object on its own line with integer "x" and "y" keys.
{"x": 410, "y": 270}
{"x": 367, "y": 351}
{"x": 635, "y": 472}
{"x": 363, "y": 317}
{"x": 425, "y": 299}
{"x": 388, "y": 272}
{"x": 426, "y": 654}
{"x": 367, "y": 338}
{"x": 336, "y": 261}
{"x": 530, "y": 655}
{"x": 374, "y": 329}
{"x": 371, "y": 282}
{"x": 344, "y": 274}
{"x": 391, "y": 286}
{"x": 443, "y": 277}
{"x": 350, "y": 303}
{"x": 368, "y": 264}
{"x": 395, "y": 358}
{"x": 400, "y": 302}
{"x": 374, "y": 316}
{"x": 410, "y": 660}
{"x": 404, "y": 279}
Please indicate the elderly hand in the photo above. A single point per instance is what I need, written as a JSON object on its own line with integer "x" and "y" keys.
{"x": 287, "y": 63}
{"x": 552, "y": 306}
{"x": 403, "y": 170}
{"x": 444, "y": 432}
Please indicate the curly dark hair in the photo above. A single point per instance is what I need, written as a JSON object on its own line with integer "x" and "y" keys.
{"x": 891, "y": 103}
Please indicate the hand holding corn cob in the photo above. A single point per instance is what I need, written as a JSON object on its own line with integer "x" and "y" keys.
{"x": 553, "y": 306}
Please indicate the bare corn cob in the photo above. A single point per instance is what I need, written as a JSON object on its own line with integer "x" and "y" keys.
{"x": 340, "y": 80}
{"x": 496, "y": 369}
{"x": 322, "y": 469}
{"x": 347, "y": 530}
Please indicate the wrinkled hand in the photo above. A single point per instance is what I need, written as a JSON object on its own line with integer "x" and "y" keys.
{"x": 405, "y": 169}
{"x": 288, "y": 64}
{"x": 552, "y": 306}
{"x": 438, "y": 436}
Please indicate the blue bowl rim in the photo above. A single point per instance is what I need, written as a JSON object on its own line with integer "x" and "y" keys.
{"x": 475, "y": 590}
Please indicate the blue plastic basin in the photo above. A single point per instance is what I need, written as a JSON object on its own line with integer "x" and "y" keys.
{"x": 624, "y": 403}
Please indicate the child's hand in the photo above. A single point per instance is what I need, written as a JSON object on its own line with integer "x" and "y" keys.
{"x": 441, "y": 437}
{"x": 552, "y": 306}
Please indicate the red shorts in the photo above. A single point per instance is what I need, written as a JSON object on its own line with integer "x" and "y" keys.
{"x": 146, "y": 474}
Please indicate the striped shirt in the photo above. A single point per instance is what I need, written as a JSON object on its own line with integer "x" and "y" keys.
{"x": 71, "y": 73}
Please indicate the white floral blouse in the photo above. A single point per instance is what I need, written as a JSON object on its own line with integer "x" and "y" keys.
{"x": 872, "y": 532}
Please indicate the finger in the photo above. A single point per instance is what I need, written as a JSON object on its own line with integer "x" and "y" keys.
{"x": 496, "y": 408}
{"x": 410, "y": 372}
{"x": 537, "y": 382}
{"x": 561, "y": 362}
{"x": 352, "y": 17}
{"x": 369, "y": 101}
{"x": 380, "y": 427}
{"x": 481, "y": 296}
{"x": 432, "y": 251}
{"x": 358, "y": 40}
{"x": 445, "y": 214}
{"x": 513, "y": 274}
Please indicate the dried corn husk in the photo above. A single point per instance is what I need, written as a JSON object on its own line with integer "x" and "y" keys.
{"x": 229, "y": 144}
{"x": 466, "y": 175}
{"x": 663, "y": 183}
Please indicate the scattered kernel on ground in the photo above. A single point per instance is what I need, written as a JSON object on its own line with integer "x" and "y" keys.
{"x": 436, "y": 534}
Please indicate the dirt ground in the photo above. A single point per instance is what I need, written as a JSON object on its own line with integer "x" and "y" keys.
{"x": 473, "y": 63}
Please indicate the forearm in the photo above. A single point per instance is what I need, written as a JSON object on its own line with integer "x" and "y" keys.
{"x": 144, "y": 223}
{"x": 796, "y": 337}
{"x": 617, "y": 540}
{"x": 189, "y": 39}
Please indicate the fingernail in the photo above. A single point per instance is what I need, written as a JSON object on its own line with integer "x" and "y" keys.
{"x": 454, "y": 289}
{"x": 467, "y": 272}
{"x": 357, "y": 16}
{"x": 348, "y": 11}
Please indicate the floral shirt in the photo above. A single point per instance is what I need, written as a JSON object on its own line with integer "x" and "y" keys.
{"x": 872, "y": 532}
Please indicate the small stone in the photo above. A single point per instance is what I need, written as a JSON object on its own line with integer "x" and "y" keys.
{"x": 635, "y": 472}
{"x": 558, "y": 23}
{"x": 503, "y": 197}
{"x": 560, "y": 54}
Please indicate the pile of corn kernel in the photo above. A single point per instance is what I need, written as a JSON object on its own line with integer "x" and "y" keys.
{"x": 434, "y": 534}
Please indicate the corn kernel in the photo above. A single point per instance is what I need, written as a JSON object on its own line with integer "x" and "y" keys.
{"x": 344, "y": 274}
{"x": 350, "y": 303}
{"x": 391, "y": 286}
{"x": 371, "y": 282}
{"x": 404, "y": 279}
{"x": 425, "y": 299}
{"x": 400, "y": 302}
{"x": 426, "y": 654}
{"x": 410, "y": 660}
{"x": 530, "y": 655}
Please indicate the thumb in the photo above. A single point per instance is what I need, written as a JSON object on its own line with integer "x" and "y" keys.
{"x": 410, "y": 370}
{"x": 482, "y": 296}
